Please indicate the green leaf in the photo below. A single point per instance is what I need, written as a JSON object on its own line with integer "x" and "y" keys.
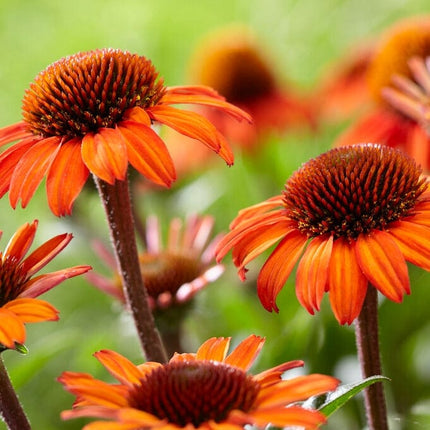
{"x": 336, "y": 399}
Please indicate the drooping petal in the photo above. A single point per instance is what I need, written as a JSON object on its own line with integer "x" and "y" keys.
{"x": 278, "y": 267}
{"x": 14, "y": 132}
{"x": 413, "y": 241}
{"x": 31, "y": 169}
{"x": 21, "y": 241}
{"x": 66, "y": 177}
{"x": 42, "y": 283}
{"x": 214, "y": 348}
{"x": 273, "y": 375}
{"x": 296, "y": 389}
{"x": 346, "y": 282}
{"x": 41, "y": 256}
{"x": 9, "y": 160}
{"x": 193, "y": 125}
{"x": 312, "y": 273}
{"x": 94, "y": 391}
{"x": 383, "y": 264}
{"x": 11, "y": 329}
{"x": 119, "y": 367}
{"x": 245, "y": 353}
{"x": 32, "y": 310}
{"x": 105, "y": 154}
{"x": 147, "y": 153}
{"x": 293, "y": 416}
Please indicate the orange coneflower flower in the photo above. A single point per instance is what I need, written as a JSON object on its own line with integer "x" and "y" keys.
{"x": 206, "y": 390}
{"x": 18, "y": 287}
{"x": 232, "y": 62}
{"x": 172, "y": 274}
{"x": 92, "y": 112}
{"x": 386, "y": 124}
{"x": 363, "y": 210}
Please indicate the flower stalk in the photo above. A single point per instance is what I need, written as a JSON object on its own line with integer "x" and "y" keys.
{"x": 10, "y": 408}
{"x": 367, "y": 338}
{"x": 118, "y": 208}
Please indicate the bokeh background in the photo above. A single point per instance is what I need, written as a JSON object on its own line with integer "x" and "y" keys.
{"x": 303, "y": 38}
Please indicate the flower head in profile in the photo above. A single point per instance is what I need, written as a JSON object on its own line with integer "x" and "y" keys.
{"x": 386, "y": 124}
{"x": 362, "y": 211}
{"x": 206, "y": 390}
{"x": 174, "y": 273}
{"x": 92, "y": 112}
{"x": 19, "y": 288}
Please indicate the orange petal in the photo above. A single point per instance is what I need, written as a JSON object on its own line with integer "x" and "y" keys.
{"x": 346, "y": 282}
{"x": 21, "y": 241}
{"x": 32, "y": 310}
{"x": 42, "y": 283}
{"x": 234, "y": 111}
{"x": 14, "y": 132}
{"x": 278, "y": 267}
{"x": 147, "y": 153}
{"x": 93, "y": 391}
{"x": 214, "y": 348}
{"x": 11, "y": 329}
{"x": 119, "y": 367}
{"x": 383, "y": 264}
{"x": 245, "y": 353}
{"x": 413, "y": 241}
{"x": 105, "y": 154}
{"x": 9, "y": 160}
{"x": 193, "y": 125}
{"x": 41, "y": 256}
{"x": 273, "y": 375}
{"x": 31, "y": 169}
{"x": 293, "y": 416}
{"x": 296, "y": 389}
{"x": 312, "y": 273}
{"x": 137, "y": 114}
{"x": 66, "y": 177}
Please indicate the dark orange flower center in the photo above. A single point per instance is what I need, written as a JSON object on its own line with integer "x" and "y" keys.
{"x": 237, "y": 72}
{"x": 12, "y": 278}
{"x": 167, "y": 271}
{"x": 408, "y": 39}
{"x": 353, "y": 190}
{"x": 89, "y": 90}
{"x": 195, "y": 392}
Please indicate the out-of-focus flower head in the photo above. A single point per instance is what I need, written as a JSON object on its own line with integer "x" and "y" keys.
{"x": 386, "y": 124}
{"x": 343, "y": 91}
{"x": 362, "y": 211}
{"x": 175, "y": 272}
{"x": 206, "y": 390}
{"x": 19, "y": 288}
{"x": 92, "y": 112}
{"x": 235, "y": 64}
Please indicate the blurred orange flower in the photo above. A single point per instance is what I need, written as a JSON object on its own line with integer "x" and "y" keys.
{"x": 207, "y": 390}
{"x": 172, "y": 274}
{"x": 92, "y": 112}
{"x": 385, "y": 124}
{"x": 363, "y": 210}
{"x": 19, "y": 288}
{"x": 232, "y": 62}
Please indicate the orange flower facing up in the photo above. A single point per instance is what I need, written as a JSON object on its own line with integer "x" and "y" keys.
{"x": 207, "y": 390}
{"x": 92, "y": 112}
{"x": 386, "y": 124}
{"x": 172, "y": 274}
{"x": 18, "y": 287}
{"x": 363, "y": 210}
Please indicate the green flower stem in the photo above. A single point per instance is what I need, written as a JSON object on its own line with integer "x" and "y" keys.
{"x": 367, "y": 337}
{"x": 10, "y": 408}
{"x": 117, "y": 205}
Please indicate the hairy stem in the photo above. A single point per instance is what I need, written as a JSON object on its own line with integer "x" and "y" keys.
{"x": 117, "y": 205}
{"x": 367, "y": 337}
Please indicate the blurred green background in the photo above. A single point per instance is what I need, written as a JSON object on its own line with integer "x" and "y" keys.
{"x": 303, "y": 37}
